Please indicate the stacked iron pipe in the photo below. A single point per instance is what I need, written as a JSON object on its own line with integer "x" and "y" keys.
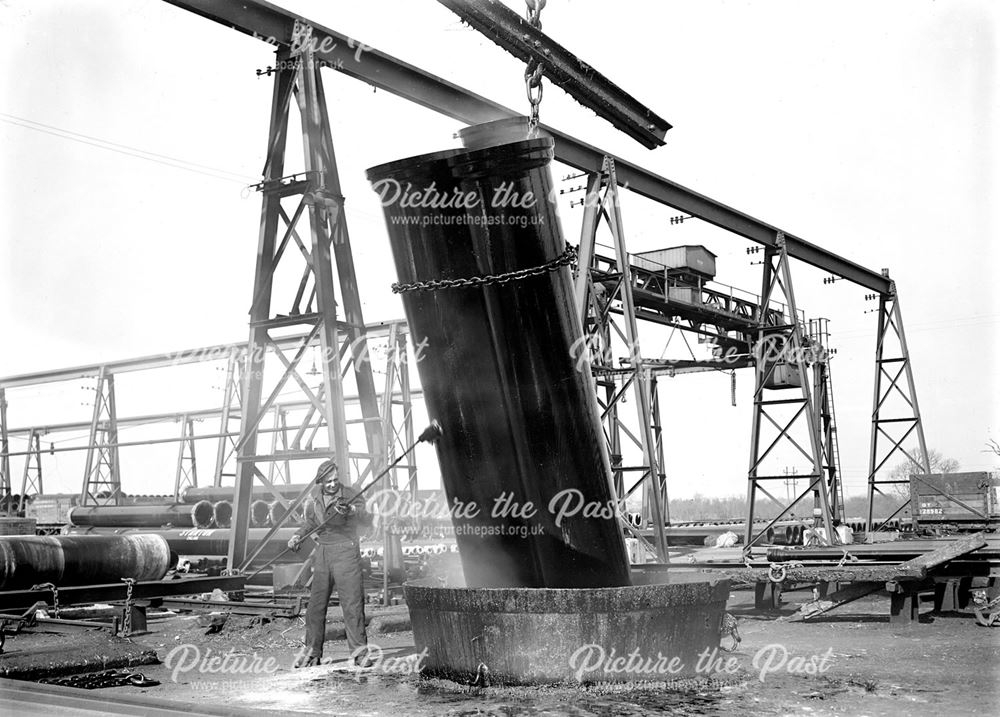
{"x": 208, "y": 507}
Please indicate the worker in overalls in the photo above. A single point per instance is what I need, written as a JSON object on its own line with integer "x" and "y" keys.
{"x": 336, "y": 562}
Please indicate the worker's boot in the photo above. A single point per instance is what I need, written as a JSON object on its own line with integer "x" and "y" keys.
{"x": 363, "y": 660}
{"x": 306, "y": 659}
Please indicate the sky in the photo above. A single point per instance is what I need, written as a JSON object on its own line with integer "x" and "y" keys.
{"x": 868, "y": 128}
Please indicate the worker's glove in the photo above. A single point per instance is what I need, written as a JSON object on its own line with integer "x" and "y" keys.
{"x": 294, "y": 543}
{"x": 344, "y": 508}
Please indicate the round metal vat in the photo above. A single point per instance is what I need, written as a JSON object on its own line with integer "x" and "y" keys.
{"x": 541, "y": 635}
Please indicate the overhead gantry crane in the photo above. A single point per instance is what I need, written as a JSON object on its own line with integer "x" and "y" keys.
{"x": 317, "y": 188}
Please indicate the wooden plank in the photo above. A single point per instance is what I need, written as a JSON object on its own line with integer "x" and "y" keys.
{"x": 831, "y": 574}
{"x": 852, "y": 592}
{"x": 952, "y": 550}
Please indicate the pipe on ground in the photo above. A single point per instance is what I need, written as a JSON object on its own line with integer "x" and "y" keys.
{"x": 28, "y": 560}
{"x": 199, "y": 515}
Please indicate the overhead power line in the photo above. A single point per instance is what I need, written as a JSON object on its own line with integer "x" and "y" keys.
{"x": 127, "y": 150}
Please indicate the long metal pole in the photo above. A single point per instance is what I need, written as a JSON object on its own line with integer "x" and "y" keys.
{"x": 5, "y": 483}
{"x": 430, "y": 434}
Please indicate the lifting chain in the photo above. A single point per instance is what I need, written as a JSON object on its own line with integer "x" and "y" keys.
{"x": 127, "y": 621}
{"x": 777, "y": 572}
{"x": 847, "y": 557}
{"x": 534, "y": 70}
{"x": 107, "y": 678}
{"x": 564, "y": 259}
{"x": 55, "y": 596}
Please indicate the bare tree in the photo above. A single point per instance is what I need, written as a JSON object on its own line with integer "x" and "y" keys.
{"x": 902, "y": 471}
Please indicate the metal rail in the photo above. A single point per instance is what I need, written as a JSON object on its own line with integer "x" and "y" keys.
{"x": 270, "y": 23}
{"x": 116, "y": 592}
{"x": 217, "y": 352}
{"x": 174, "y": 417}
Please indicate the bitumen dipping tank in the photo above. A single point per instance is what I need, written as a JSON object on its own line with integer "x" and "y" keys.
{"x": 546, "y": 595}
{"x": 517, "y": 636}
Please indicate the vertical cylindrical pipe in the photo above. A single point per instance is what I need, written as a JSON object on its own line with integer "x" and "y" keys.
{"x": 522, "y": 457}
{"x": 222, "y": 514}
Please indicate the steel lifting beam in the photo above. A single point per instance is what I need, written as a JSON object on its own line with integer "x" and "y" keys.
{"x": 354, "y": 59}
{"x": 581, "y": 81}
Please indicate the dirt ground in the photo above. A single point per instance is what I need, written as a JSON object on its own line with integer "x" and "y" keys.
{"x": 947, "y": 664}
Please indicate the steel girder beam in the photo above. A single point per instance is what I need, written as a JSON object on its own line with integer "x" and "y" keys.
{"x": 595, "y": 316}
{"x": 793, "y": 350}
{"x": 578, "y": 79}
{"x": 892, "y": 357}
{"x": 187, "y": 462}
{"x": 102, "y": 473}
{"x": 31, "y": 477}
{"x": 275, "y": 25}
{"x": 218, "y": 352}
{"x": 174, "y": 417}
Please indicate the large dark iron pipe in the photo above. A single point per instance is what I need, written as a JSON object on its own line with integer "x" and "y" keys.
{"x": 260, "y": 514}
{"x": 199, "y": 515}
{"x": 222, "y": 514}
{"x": 208, "y": 542}
{"x": 519, "y": 416}
{"x": 276, "y": 512}
{"x": 214, "y": 494}
{"x": 27, "y": 560}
